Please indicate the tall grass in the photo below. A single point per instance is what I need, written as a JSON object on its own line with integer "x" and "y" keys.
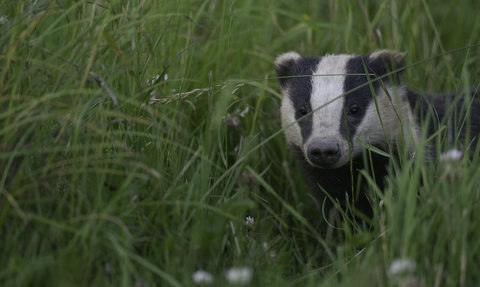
{"x": 136, "y": 136}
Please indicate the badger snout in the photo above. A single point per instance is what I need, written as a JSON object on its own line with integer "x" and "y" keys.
{"x": 323, "y": 152}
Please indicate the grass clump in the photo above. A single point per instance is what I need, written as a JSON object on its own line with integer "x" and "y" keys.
{"x": 137, "y": 136}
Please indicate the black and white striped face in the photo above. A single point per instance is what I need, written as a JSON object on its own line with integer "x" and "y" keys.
{"x": 331, "y": 101}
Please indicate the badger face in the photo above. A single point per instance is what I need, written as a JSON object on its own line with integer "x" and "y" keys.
{"x": 330, "y": 102}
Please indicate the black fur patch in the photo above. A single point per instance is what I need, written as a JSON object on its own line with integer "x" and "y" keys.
{"x": 356, "y": 94}
{"x": 300, "y": 89}
{"x": 361, "y": 83}
{"x": 341, "y": 184}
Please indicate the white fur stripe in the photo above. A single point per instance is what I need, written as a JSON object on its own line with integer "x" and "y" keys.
{"x": 327, "y": 100}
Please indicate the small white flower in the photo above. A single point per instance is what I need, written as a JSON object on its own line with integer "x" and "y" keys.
{"x": 401, "y": 267}
{"x": 202, "y": 277}
{"x": 273, "y": 256}
{"x": 3, "y": 19}
{"x": 244, "y": 112}
{"x": 240, "y": 276}
{"x": 451, "y": 155}
{"x": 250, "y": 221}
{"x": 153, "y": 79}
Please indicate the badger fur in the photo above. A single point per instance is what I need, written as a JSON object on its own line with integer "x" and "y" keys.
{"x": 334, "y": 106}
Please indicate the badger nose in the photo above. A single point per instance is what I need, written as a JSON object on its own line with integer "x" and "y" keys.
{"x": 323, "y": 152}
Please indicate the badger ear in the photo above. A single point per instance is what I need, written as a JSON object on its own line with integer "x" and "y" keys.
{"x": 284, "y": 66}
{"x": 384, "y": 62}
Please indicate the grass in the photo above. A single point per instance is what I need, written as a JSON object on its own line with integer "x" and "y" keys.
{"x": 137, "y": 136}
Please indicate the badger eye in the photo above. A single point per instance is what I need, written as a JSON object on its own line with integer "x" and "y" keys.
{"x": 354, "y": 110}
{"x": 302, "y": 111}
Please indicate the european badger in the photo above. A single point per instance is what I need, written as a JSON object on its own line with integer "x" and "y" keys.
{"x": 333, "y": 104}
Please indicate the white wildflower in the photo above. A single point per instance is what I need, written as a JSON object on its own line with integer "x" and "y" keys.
{"x": 250, "y": 221}
{"x": 202, "y": 277}
{"x": 451, "y": 155}
{"x": 273, "y": 256}
{"x": 152, "y": 80}
{"x": 244, "y": 112}
{"x": 401, "y": 267}
{"x": 3, "y": 19}
{"x": 240, "y": 276}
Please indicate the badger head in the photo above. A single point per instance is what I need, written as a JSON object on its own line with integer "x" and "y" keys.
{"x": 333, "y": 103}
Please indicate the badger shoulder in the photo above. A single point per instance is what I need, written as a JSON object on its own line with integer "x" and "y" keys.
{"x": 458, "y": 112}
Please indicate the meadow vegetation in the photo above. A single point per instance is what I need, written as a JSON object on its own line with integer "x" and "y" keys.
{"x": 137, "y": 136}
